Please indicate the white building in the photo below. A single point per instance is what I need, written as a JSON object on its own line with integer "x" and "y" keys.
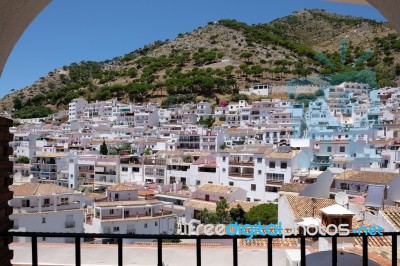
{"x": 75, "y": 109}
{"x": 46, "y": 208}
{"x": 130, "y": 215}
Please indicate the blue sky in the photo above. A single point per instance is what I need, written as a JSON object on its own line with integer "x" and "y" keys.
{"x": 70, "y": 31}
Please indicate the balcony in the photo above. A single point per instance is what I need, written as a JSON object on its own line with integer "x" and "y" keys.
{"x": 324, "y": 162}
{"x": 241, "y": 175}
{"x": 140, "y": 215}
{"x": 82, "y": 170}
{"x": 348, "y": 192}
{"x": 106, "y": 173}
{"x": 244, "y": 163}
{"x": 334, "y": 253}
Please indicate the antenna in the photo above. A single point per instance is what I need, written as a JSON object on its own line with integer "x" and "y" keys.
{"x": 341, "y": 198}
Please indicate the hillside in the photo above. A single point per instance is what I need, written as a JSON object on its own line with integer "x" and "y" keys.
{"x": 219, "y": 59}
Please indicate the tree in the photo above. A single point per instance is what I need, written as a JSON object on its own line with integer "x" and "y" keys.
{"x": 237, "y": 214}
{"x": 222, "y": 212}
{"x": 17, "y": 103}
{"x": 246, "y": 56}
{"x": 148, "y": 151}
{"x": 103, "y": 148}
{"x": 319, "y": 93}
{"x": 220, "y": 216}
{"x": 266, "y": 213}
{"x": 23, "y": 159}
{"x": 206, "y": 217}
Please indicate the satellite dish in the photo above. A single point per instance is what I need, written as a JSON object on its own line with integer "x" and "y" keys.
{"x": 341, "y": 198}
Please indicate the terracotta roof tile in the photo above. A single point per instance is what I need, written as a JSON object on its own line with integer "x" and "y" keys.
{"x": 293, "y": 187}
{"x": 200, "y": 205}
{"x": 30, "y": 189}
{"x": 220, "y": 189}
{"x": 281, "y": 155}
{"x": 303, "y": 206}
{"x": 393, "y": 215}
{"x": 121, "y": 187}
{"x": 367, "y": 177}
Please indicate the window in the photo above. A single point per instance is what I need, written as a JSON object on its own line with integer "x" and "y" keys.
{"x": 259, "y": 172}
{"x": 116, "y": 228}
{"x": 231, "y": 183}
{"x": 124, "y": 169}
{"x": 149, "y": 171}
{"x": 329, "y": 149}
{"x": 145, "y": 225}
{"x": 197, "y": 182}
{"x": 43, "y": 220}
{"x": 271, "y": 164}
{"x": 160, "y": 172}
{"x": 342, "y": 149}
{"x": 116, "y": 196}
{"x": 248, "y": 199}
{"x": 253, "y": 187}
{"x": 275, "y": 177}
{"x": 223, "y": 158}
{"x": 25, "y": 203}
{"x": 259, "y": 160}
{"x": 223, "y": 170}
{"x": 64, "y": 201}
{"x": 283, "y": 165}
{"x": 135, "y": 169}
{"x": 46, "y": 202}
{"x": 155, "y": 224}
{"x": 111, "y": 211}
{"x": 271, "y": 189}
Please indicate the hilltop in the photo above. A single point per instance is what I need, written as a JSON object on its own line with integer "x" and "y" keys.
{"x": 216, "y": 61}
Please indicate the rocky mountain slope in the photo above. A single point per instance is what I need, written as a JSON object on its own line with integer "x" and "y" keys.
{"x": 215, "y": 61}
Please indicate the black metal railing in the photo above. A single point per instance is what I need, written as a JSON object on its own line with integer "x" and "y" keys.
{"x": 119, "y": 239}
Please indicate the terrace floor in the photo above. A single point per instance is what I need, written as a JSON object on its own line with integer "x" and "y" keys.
{"x": 96, "y": 254}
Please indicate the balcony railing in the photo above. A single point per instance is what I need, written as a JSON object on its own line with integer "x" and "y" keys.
{"x": 245, "y": 163}
{"x": 244, "y": 175}
{"x": 120, "y": 237}
{"x": 321, "y": 162}
{"x": 106, "y": 173}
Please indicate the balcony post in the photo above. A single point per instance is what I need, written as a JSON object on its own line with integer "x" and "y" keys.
{"x": 235, "y": 251}
{"x": 34, "y": 251}
{"x": 159, "y": 252}
{"x": 394, "y": 249}
{"x": 365, "y": 249}
{"x": 303, "y": 250}
{"x": 198, "y": 251}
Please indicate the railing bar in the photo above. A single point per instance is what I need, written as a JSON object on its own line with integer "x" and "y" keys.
{"x": 303, "y": 251}
{"x": 270, "y": 251}
{"x": 77, "y": 251}
{"x": 334, "y": 250}
{"x": 120, "y": 254}
{"x": 235, "y": 251}
{"x": 365, "y": 250}
{"x": 198, "y": 251}
{"x": 34, "y": 251}
{"x": 159, "y": 251}
{"x": 394, "y": 250}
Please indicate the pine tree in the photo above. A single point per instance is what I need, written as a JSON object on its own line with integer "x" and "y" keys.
{"x": 103, "y": 148}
